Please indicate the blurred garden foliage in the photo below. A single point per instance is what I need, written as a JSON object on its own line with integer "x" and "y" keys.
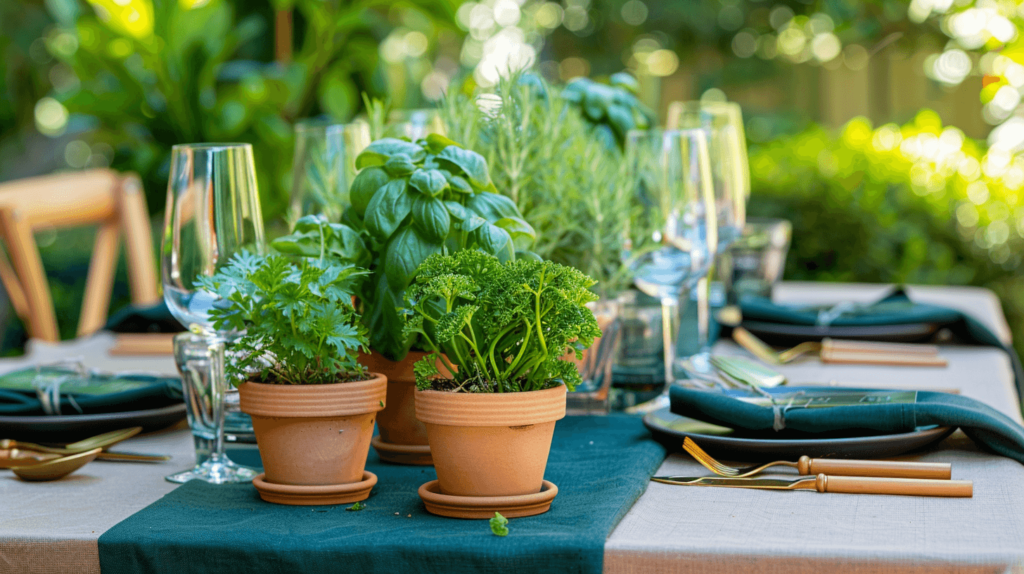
{"x": 894, "y": 204}
{"x": 143, "y": 75}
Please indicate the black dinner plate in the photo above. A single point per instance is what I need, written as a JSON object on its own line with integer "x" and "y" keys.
{"x": 75, "y": 427}
{"x": 783, "y": 334}
{"x": 670, "y": 429}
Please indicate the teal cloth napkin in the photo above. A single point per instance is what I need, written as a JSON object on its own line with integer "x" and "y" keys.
{"x": 600, "y": 464}
{"x": 20, "y": 392}
{"x": 152, "y": 319}
{"x": 895, "y": 308}
{"x": 986, "y": 426}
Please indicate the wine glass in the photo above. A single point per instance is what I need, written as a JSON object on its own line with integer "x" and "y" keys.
{"x": 324, "y": 166}
{"x": 723, "y": 124}
{"x": 212, "y": 214}
{"x": 672, "y": 169}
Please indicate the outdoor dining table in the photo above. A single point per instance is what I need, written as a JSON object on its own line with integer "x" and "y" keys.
{"x": 54, "y": 527}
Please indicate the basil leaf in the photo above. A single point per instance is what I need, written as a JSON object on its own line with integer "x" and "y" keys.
{"x": 308, "y": 223}
{"x": 621, "y": 119}
{"x": 457, "y": 210}
{"x": 400, "y": 165}
{"x": 378, "y": 152}
{"x": 496, "y": 241}
{"x": 473, "y": 223}
{"x": 493, "y": 206}
{"x": 624, "y": 80}
{"x": 437, "y": 142}
{"x": 305, "y": 244}
{"x": 429, "y": 181}
{"x": 430, "y": 216}
{"x": 345, "y": 244}
{"x": 471, "y": 163}
{"x": 528, "y": 255}
{"x": 460, "y": 185}
{"x": 405, "y": 252}
{"x": 364, "y": 186}
{"x": 519, "y": 230}
{"x": 388, "y": 208}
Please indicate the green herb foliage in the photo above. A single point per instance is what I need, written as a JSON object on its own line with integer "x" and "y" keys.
{"x": 570, "y": 185}
{"x": 499, "y": 525}
{"x": 412, "y": 200}
{"x": 504, "y": 327}
{"x": 298, "y": 321}
{"x": 613, "y": 109}
{"x": 356, "y": 507}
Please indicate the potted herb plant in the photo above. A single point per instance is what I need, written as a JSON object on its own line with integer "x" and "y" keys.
{"x": 312, "y": 403}
{"x": 411, "y": 200}
{"x": 503, "y": 329}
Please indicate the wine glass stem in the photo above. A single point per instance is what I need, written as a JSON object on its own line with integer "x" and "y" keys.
{"x": 218, "y": 383}
{"x": 669, "y": 332}
{"x": 703, "y": 313}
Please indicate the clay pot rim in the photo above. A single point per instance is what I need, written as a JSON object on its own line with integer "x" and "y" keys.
{"x": 491, "y": 409}
{"x": 314, "y": 401}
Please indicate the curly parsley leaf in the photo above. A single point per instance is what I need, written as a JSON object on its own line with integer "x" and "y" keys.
{"x": 499, "y": 525}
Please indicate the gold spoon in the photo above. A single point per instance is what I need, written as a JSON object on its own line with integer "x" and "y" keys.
{"x": 16, "y": 457}
{"x": 56, "y": 468}
{"x": 99, "y": 441}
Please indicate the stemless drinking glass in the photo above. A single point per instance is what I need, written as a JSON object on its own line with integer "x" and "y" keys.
{"x": 212, "y": 214}
{"x": 673, "y": 173}
{"x": 414, "y": 124}
{"x": 727, "y": 147}
{"x": 325, "y": 165}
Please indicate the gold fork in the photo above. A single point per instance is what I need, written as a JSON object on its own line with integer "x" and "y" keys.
{"x": 839, "y": 467}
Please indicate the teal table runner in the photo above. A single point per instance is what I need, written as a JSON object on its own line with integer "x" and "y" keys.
{"x": 600, "y": 464}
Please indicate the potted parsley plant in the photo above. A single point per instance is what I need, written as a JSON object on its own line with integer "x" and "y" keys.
{"x": 502, "y": 329}
{"x": 312, "y": 403}
{"x": 411, "y": 200}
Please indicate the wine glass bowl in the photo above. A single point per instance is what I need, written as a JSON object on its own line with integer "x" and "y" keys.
{"x": 212, "y": 214}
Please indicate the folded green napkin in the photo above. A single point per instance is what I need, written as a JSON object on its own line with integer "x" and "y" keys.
{"x": 153, "y": 319}
{"x": 778, "y": 412}
{"x": 895, "y": 308}
{"x": 55, "y": 390}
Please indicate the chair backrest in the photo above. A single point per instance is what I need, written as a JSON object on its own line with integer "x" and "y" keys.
{"x": 113, "y": 201}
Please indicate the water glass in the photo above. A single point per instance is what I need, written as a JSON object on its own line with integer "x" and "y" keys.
{"x": 759, "y": 257}
{"x": 414, "y": 124}
{"x": 324, "y": 166}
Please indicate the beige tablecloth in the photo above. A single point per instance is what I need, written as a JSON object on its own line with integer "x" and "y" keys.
{"x": 53, "y": 527}
{"x": 676, "y": 529}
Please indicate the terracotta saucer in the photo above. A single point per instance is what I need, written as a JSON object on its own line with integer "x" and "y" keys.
{"x": 412, "y": 454}
{"x": 318, "y": 495}
{"x": 486, "y": 506}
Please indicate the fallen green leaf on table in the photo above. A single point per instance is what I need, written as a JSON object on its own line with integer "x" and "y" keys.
{"x": 356, "y": 507}
{"x": 499, "y": 525}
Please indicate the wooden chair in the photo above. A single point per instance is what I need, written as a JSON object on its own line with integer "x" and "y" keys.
{"x": 113, "y": 201}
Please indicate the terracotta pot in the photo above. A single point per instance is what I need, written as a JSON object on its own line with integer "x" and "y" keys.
{"x": 490, "y": 444}
{"x": 397, "y": 423}
{"x": 314, "y": 434}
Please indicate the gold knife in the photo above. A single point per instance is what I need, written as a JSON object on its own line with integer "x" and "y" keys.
{"x": 846, "y": 484}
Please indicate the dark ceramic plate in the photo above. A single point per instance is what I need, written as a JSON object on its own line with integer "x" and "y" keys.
{"x": 75, "y": 427}
{"x": 782, "y": 334}
{"x": 670, "y": 429}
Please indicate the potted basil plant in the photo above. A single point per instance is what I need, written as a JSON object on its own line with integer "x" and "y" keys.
{"x": 504, "y": 329}
{"x": 410, "y": 200}
{"x": 312, "y": 403}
